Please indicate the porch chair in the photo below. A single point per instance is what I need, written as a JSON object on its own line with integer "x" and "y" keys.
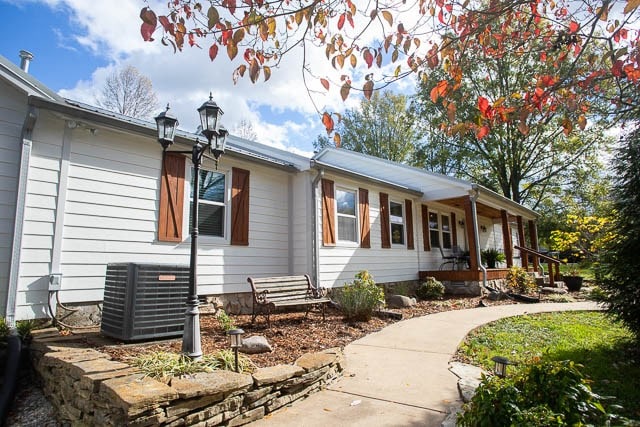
{"x": 457, "y": 256}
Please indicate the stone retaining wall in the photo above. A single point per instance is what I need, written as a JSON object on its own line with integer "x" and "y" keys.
{"x": 87, "y": 388}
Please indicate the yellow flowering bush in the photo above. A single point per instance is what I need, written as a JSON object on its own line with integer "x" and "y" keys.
{"x": 588, "y": 235}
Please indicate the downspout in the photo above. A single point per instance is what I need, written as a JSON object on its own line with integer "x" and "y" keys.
{"x": 473, "y": 196}
{"x": 18, "y": 226}
{"x": 315, "y": 242}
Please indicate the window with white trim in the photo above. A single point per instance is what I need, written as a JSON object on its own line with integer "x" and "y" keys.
{"x": 211, "y": 204}
{"x": 440, "y": 230}
{"x": 434, "y": 230}
{"x": 446, "y": 232}
{"x": 396, "y": 218}
{"x": 347, "y": 215}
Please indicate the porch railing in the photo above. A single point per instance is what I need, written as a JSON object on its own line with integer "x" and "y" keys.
{"x": 551, "y": 262}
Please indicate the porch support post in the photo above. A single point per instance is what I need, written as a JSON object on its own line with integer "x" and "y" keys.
{"x": 524, "y": 257}
{"x": 533, "y": 238}
{"x": 470, "y": 222}
{"x": 506, "y": 238}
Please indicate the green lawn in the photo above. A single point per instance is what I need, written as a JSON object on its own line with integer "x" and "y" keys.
{"x": 610, "y": 357}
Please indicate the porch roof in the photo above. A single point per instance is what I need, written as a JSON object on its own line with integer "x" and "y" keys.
{"x": 430, "y": 186}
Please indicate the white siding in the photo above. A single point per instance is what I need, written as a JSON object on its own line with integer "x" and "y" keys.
{"x": 339, "y": 264}
{"x": 302, "y": 223}
{"x": 39, "y": 218}
{"x": 12, "y": 113}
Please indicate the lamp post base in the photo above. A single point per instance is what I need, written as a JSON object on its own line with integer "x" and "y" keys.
{"x": 191, "y": 336}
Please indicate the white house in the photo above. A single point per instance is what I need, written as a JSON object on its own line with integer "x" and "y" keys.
{"x": 82, "y": 188}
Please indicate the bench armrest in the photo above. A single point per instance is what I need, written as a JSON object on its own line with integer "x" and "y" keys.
{"x": 262, "y": 297}
{"x": 319, "y": 292}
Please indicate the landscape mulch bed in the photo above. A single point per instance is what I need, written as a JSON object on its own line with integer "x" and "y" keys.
{"x": 292, "y": 335}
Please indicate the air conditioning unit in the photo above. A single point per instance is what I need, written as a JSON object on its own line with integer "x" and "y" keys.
{"x": 144, "y": 301}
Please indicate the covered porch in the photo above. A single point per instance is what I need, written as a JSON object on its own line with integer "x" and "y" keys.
{"x": 513, "y": 232}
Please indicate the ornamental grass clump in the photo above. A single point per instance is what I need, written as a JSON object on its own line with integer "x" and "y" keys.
{"x": 359, "y": 299}
{"x": 162, "y": 365}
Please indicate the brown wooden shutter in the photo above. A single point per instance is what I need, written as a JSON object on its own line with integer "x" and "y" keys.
{"x": 385, "y": 227}
{"x": 239, "y": 207}
{"x": 408, "y": 206}
{"x": 365, "y": 225}
{"x": 454, "y": 230}
{"x": 328, "y": 213}
{"x": 171, "y": 198}
{"x": 426, "y": 236}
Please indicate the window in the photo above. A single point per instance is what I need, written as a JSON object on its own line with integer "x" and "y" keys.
{"x": 346, "y": 212}
{"x": 396, "y": 216}
{"x": 446, "y": 232}
{"x": 440, "y": 225}
{"x": 212, "y": 193}
{"x": 434, "y": 233}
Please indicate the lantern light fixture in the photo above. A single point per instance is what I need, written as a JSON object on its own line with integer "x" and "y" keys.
{"x": 235, "y": 341}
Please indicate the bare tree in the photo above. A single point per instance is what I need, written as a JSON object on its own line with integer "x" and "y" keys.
{"x": 130, "y": 93}
{"x": 245, "y": 130}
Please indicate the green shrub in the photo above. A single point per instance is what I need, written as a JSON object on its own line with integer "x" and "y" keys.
{"x": 225, "y": 321}
{"x": 519, "y": 281}
{"x": 24, "y": 328}
{"x": 430, "y": 289}
{"x": 4, "y": 329}
{"x": 491, "y": 256}
{"x": 359, "y": 299}
{"x": 543, "y": 394}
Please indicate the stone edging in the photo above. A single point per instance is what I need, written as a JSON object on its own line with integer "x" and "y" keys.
{"x": 87, "y": 388}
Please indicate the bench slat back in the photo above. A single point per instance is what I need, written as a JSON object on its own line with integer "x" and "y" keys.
{"x": 283, "y": 288}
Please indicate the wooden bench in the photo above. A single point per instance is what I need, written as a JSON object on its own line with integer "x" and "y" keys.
{"x": 285, "y": 291}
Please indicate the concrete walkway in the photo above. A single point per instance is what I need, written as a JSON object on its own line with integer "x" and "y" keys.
{"x": 400, "y": 376}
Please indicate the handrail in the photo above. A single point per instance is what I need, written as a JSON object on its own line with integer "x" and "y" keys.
{"x": 551, "y": 261}
{"x": 539, "y": 254}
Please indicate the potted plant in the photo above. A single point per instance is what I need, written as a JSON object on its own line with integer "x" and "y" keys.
{"x": 572, "y": 278}
{"x": 491, "y": 256}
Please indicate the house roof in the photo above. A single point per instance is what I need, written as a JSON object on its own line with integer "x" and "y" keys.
{"x": 41, "y": 96}
{"x": 430, "y": 186}
{"x": 24, "y": 81}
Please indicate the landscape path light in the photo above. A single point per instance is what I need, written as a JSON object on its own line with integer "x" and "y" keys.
{"x": 235, "y": 341}
{"x": 500, "y": 367}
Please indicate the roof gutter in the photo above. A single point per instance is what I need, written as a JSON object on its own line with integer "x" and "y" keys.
{"x": 501, "y": 200}
{"x": 334, "y": 169}
{"x": 473, "y": 196}
{"x": 315, "y": 242}
{"x": 18, "y": 226}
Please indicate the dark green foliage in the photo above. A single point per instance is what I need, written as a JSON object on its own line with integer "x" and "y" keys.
{"x": 430, "y": 289}
{"x": 543, "y": 394}
{"x": 359, "y": 299}
{"x": 620, "y": 272}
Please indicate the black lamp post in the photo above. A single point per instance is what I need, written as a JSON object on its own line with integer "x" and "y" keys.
{"x": 216, "y": 136}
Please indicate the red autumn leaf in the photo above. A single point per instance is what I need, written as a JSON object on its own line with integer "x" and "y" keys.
{"x": 164, "y": 21}
{"x": 573, "y": 27}
{"x": 439, "y": 90}
{"x": 325, "y": 83}
{"x": 485, "y": 107}
{"x": 482, "y": 132}
{"x": 441, "y": 17}
{"x": 368, "y": 89}
{"x": 344, "y": 90}
{"x": 350, "y": 19}
{"x": 327, "y": 121}
{"x": 213, "y": 51}
{"x": 146, "y": 31}
{"x": 368, "y": 58}
{"x": 148, "y": 16}
{"x": 341, "y": 21}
